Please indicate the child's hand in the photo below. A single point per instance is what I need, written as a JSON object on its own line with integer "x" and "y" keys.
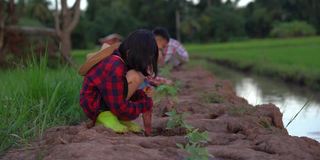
{"x": 147, "y": 117}
{"x": 149, "y": 91}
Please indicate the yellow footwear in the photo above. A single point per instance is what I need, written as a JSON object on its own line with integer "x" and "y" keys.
{"x": 133, "y": 127}
{"x": 109, "y": 120}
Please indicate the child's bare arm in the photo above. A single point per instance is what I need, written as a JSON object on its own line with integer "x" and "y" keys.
{"x": 134, "y": 79}
{"x": 160, "y": 58}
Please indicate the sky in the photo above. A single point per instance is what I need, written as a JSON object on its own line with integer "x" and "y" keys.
{"x": 84, "y": 3}
{"x": 243, "y": 3}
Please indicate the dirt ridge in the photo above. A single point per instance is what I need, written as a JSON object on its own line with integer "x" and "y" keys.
{"x": 237, "y": 130}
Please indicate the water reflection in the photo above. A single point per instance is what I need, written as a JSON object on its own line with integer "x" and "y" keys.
{"x": 289, "y": 99}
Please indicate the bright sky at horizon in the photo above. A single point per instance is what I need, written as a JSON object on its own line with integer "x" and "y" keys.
{"x": 84, "y": 3}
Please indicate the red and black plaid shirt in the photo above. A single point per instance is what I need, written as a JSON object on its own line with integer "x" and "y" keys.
{"x": 105, "y": 89}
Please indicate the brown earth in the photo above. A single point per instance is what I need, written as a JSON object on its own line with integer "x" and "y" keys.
{"x": 237, "y": 130}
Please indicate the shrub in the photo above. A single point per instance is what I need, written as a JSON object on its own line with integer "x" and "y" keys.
{"x": 221, "y": 24}
{"x": 293, "y": 29}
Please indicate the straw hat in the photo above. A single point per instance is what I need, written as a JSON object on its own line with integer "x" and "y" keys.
{"x": 94, "y": 58}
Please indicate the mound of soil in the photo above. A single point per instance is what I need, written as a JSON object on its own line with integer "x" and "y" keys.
{"x": 237, "y": 130}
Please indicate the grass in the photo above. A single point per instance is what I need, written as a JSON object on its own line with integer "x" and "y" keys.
{"x": 212, "y": 98}
{"x": 295, "y": 60}
{"x": 34, "y": 98}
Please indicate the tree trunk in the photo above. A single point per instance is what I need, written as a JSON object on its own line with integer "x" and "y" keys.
{"x": 1, "y": 35}
{"x": 66, "y": 44}
{"x": 178, "y": 25}
{"x": 209, "y": 2}
{"x": 66, "y": 20}
{"x": 2, "y": 20}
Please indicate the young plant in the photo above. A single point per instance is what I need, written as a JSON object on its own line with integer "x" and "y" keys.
{"x": 196, "y": 137}
{"x": 196, "y": 151}
{"x": 165, "y": 71}
{"x": 177, "y": 120}
{"x": 167, "y": 91}
{"x": 195, "y": 143}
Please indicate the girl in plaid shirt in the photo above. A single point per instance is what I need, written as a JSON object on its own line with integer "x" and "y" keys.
{"x": 110, "y": 94}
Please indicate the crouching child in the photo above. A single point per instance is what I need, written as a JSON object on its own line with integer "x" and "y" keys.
{"x": 110, "y": 94}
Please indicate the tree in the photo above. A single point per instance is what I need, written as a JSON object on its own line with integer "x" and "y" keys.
{"x": 179, "y": 5}
{"x": 7, "y": 16}
{"x": 303, "y": 10}
{"x": 154, "y": 13}
{"x": 66, "y": 20}
{"x": 39, "y": 9}
{"x": 109, "y": 16}
{"x": 220, "y": 21}
{"x": 2, "y": 20}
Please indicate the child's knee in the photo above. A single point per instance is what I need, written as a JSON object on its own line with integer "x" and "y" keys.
{"x": 134, "y": 77}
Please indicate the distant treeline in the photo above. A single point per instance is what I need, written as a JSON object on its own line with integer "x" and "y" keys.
{"x": 209, "y": 20}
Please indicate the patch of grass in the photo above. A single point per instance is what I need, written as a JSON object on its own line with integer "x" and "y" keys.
{"x": 264, "y": 123}
{"x": 35, "y": 98}
{"x": 212, "y": 98}
{"x": 237, "y": 111}
{"x": 294, "y": 60}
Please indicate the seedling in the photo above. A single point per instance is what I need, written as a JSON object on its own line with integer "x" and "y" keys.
{"x": 177, "y": 120}
{"x": 196, "y": 152}
{"x": 165, "y": 71}
{"x": 167, "y": 90}
{"x": 196, "y": 137}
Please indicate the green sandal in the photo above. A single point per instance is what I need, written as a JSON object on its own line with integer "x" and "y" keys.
{"x": 133, "y": 127}
{"x": 109, "y": 120}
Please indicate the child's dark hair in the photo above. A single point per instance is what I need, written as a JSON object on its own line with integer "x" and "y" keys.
{"x": 161, "y": 31}
{"x": 140, "y": 52}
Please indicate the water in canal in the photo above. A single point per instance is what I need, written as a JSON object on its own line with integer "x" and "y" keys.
{"x": 289, "y": 98}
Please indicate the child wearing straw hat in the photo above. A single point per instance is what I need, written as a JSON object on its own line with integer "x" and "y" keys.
{"x": 110, "y": 94}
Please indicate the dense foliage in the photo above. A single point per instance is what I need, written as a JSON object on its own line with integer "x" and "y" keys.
{"x": 209, "y": 20}
{"x": 293, "y": 29}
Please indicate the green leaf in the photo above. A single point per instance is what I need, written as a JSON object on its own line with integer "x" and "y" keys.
{"x": 171, "y": 113}
{"x": 171, "y": 124}
{"x": 196, "y": 137}
{"x": 180, "y": 146}
{"x": 197, "y": 153}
